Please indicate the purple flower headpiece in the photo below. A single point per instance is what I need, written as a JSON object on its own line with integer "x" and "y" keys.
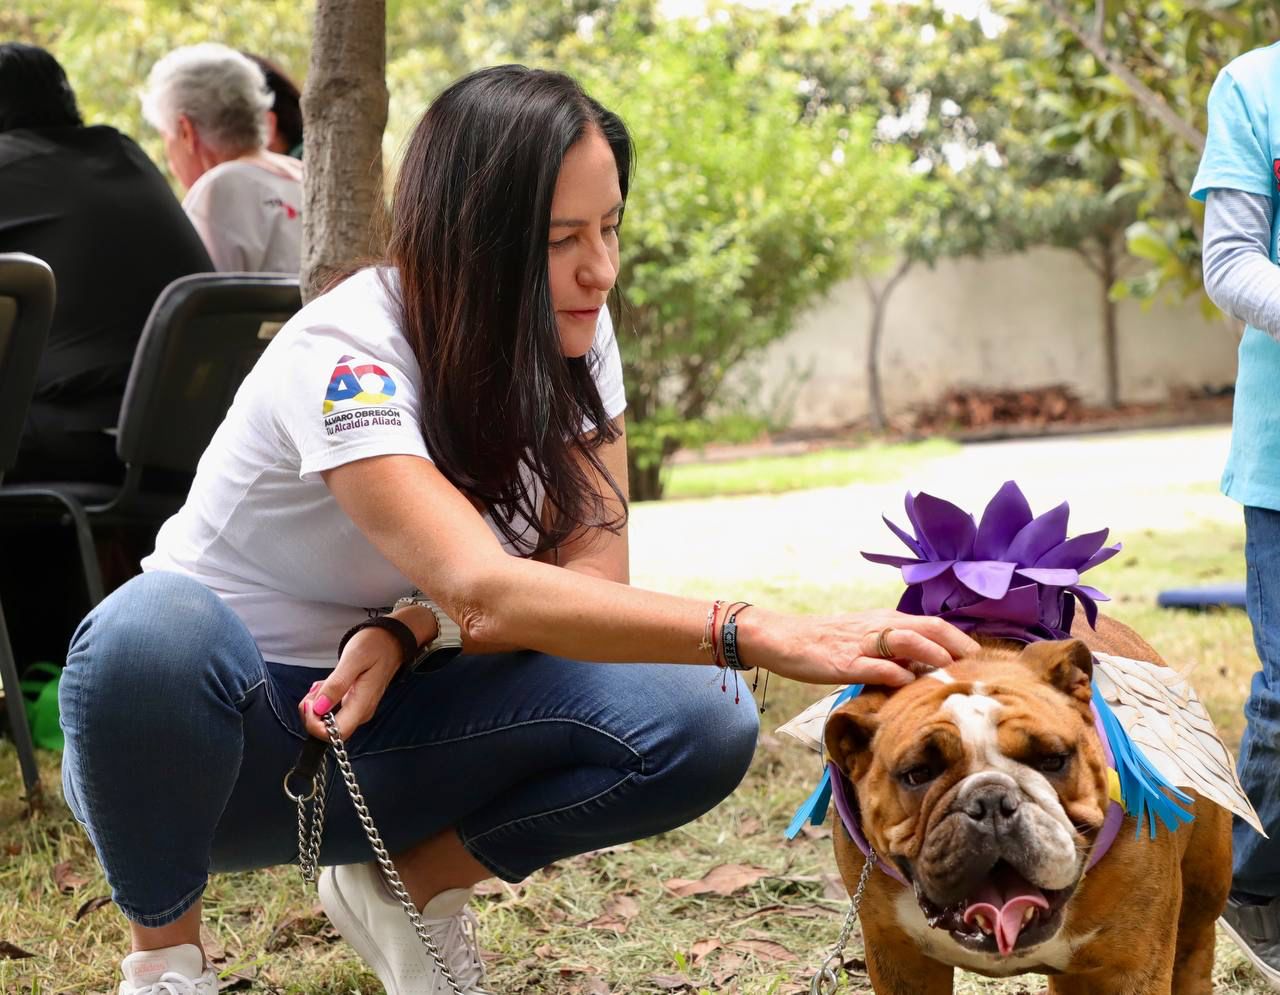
{"x": 1017, "y": 576}
{"x": 1011, "y": 574}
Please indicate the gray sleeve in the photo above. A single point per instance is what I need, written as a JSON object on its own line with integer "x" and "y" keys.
{"x": 1239, "y": 275}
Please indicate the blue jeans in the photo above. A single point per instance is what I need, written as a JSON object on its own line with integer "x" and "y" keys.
{"x": 1257, "y": 860}
{"x": 178, "y": 735}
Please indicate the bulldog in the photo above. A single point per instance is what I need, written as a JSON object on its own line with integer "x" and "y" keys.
{"x": 985, "y": 787}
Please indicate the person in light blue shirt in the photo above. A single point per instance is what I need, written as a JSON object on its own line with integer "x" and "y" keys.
{"x": 1239, "y": 181}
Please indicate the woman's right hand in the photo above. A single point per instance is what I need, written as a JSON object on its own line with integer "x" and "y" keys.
{"x": 844, "y": 649}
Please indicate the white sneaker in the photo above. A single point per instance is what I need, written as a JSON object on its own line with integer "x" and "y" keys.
{"x": 371, "y": 919}
{"x": 168, "y": 971}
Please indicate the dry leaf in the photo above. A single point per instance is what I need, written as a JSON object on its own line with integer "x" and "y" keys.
{"x": 833, "y": 887}
{"x": 726, "y": 879}
{"x": 618, "y": 913}
{"x": 749, "y": 826}
{"x": 816, "y": 832}
{"x": 66, "y": 879}
{"x": 703, "y": 947}
{"x": 788, "y": 911}
{"x": 214, "y": 951}
{"x": 544, "y": 951}
{"x": 294, "y": 928}
{"x": 769, "y": 950}
{"x": 597, "y": 986}
{"x": 670, "y": 982}
{"x": 92, "y": 906}
{"x": 728, "y": 968}
{"x": 9, "y": 952}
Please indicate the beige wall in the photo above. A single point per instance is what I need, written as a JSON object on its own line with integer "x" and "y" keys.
{"x": 1008, "y": 322}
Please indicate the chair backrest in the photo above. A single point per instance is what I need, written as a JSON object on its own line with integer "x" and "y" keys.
{"x": 26, "y": 309}
{"x": 203, "y": 335}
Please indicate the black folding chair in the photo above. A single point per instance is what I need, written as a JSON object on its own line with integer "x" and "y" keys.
{"x": 202, "y": 337}
{"x": 26, "y": 308}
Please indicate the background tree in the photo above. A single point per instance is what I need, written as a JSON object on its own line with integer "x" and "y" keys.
{"x": 108, "y": 46}
{"x": 344, "y": 106}
{"x": 745, "y": 211}
{"x": 927, "y": 78}
{"x": 1140, "y": 75}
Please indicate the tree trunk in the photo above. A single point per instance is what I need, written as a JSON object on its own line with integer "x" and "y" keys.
{"x": 1110, "y": 324}
{"x": 879, "y": 304}
{"x": 344, "y": 106}
{"x": 645, "y": 483}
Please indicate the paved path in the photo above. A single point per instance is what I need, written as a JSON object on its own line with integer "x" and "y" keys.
{"x": 1128, "y": 482}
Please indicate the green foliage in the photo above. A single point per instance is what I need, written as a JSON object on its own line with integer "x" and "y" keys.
{"x": 744, "y": 211}
{"x": 107, "y": 47}
{"x": 1139, "y": 97}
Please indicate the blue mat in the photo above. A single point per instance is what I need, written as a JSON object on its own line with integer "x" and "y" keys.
{"x": 1200, "y": 598}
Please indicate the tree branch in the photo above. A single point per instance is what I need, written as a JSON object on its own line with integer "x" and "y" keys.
{"x": 1152, "y": 103}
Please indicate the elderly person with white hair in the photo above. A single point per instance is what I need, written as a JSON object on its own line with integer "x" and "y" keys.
{"x": 210, "y": 103}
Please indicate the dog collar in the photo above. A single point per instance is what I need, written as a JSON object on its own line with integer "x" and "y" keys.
{"x": 841, "y": 790}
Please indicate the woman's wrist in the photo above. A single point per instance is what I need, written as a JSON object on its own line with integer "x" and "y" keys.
{"x": 421, "y": 620}
{"x": 756, "y": 633}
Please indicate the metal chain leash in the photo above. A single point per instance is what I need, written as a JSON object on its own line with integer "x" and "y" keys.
{"x": 826, "y": 981}
{"x": 309, "y": 838}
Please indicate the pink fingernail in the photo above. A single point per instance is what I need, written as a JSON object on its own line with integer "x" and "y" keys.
{"x": 312, "y": 690}
{"x": 321, "y": 705}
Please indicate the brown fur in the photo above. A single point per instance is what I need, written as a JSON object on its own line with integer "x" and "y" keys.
{"x": 1152, "y": 903}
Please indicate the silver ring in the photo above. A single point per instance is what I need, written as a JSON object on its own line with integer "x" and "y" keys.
{"x": 882, "y": 645}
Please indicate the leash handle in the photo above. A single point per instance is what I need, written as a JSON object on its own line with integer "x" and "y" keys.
{"x": 312, "y": 762}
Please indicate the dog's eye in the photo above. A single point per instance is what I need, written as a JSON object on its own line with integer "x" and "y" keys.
{"x": 920, "y": 774}
{"x": 1053, "y": 763}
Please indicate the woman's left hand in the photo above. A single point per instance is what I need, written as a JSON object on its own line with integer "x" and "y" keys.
{"x": 368, "y": 663}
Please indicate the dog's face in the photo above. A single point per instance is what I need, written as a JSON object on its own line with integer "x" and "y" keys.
{"x": 984, "y": 784}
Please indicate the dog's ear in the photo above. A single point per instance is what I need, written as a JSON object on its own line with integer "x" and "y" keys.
{"x": 850, "y": 730}
{"x": 1067, "y": 664}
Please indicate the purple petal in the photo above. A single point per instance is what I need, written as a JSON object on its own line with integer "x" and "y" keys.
{"x": 1053, "y": 578}
{"x": 1074, "y": 552}
{"x": 1101, "y": 556}
{"x": 906, "y": 537}
{"x": 888, "y": 559}
{"x": 934, "y": 594}
{"x": 1039, "y": 536}
{"x": 1089, "y": 592}
{"x": 1021, "y": 604}
{"x": 927, "y": 552}
{"x": 1004, "y": 518}
{"x": 918, "y": 573}
{"x": 1090, "y": 606}
{"x": 990, "y": 578}
{"x": 909, "y": 603}
{"x": 948, "y": 529}
{"x": 1068, "y": 615}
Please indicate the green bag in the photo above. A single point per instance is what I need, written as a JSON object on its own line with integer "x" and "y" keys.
{"x": 40, "y": 694}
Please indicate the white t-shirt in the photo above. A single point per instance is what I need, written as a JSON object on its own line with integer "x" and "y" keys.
{"x": 248, "y": 216}
{"x": 260, "y": 528}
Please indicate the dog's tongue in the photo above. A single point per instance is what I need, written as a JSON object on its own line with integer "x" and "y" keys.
{"x": 1003, "y": 900}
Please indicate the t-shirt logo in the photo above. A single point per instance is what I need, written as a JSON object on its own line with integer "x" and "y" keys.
{"x": 1275, "y": 171}
{"x": 347, "y": 383}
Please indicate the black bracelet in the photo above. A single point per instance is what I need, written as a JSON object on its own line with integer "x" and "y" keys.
{"x": 404, "y": 636}
{"x": 729, "y": 637}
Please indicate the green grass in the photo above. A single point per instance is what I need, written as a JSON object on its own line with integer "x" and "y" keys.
{"x": 873, "y": 463}
{"x": 542, "y": 935}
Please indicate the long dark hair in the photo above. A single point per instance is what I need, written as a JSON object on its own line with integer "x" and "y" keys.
{"x": 470, "y": 222}
{"x": 287, "y": 106}
{"x": 34, "y": 91}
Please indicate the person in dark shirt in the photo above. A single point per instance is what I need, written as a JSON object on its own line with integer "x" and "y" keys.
{"x": 88, "y": 201}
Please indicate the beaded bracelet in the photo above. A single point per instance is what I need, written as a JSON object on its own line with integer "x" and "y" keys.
{"x": 729, "y": 636}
